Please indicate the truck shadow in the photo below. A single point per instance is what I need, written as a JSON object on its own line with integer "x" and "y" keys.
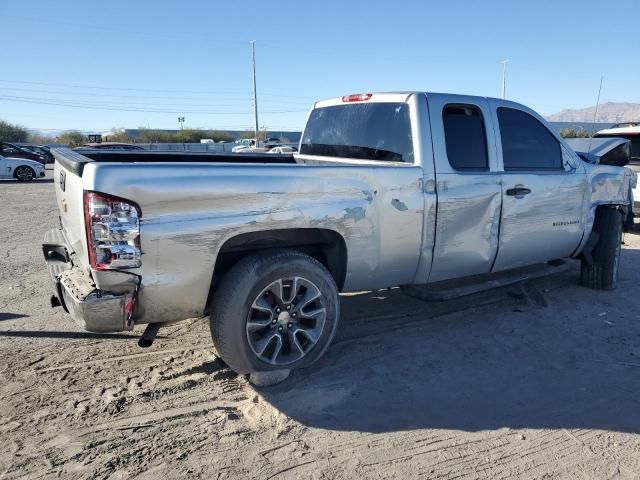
{"x": 483, "y": 362}
{"x": 11, "y": 316}
{"x": 12, "y": 182}
{"x": 66, "y": 335}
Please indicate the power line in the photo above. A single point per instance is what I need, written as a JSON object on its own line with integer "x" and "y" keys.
{"x": 202, "y": 92}
{"x": 112, "y": 95}
{"x": 53, "y": 102}
{"x": 176, "y": 104}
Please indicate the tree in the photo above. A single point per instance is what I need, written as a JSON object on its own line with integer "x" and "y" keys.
{"x": 252, "y": 134}
{"x": 118, "y": 135}
{"x": 147, "y": 135}
{"x": 574, "y": 133}
{"x": 40, "y": 139}
{"x": 12, "y": 133}
{"x": 72, "y": 138}
{"x": 217, "y": 135}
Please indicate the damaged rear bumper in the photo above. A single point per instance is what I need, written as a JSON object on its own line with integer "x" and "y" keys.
{"x": 93, "y": 309}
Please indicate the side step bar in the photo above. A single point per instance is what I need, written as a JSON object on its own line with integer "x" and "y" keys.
{"x": 451, "y": 289}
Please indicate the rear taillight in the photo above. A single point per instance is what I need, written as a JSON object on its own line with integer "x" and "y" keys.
{"x": 113, "y": 231}
{"x": 358, "y": 97}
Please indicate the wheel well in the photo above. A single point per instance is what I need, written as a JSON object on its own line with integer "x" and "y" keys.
{"x": 326, "y": 246}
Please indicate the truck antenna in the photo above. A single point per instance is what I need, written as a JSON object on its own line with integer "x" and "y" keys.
{"x": 504, "y": 78}
{"x": 595, "y": 115}
{"x": 255, "y": 91}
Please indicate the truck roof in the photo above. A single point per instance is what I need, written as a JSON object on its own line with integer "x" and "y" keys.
{"x": 391, "y": 97}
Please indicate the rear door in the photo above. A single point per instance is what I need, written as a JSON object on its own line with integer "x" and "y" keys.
{"x": 467, "y": 186}
{"x": 543, "y": 190}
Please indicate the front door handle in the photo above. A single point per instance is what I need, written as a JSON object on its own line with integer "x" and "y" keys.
{"x": 518, "y": 192}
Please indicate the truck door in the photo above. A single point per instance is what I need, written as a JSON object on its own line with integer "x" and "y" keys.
{"x": 543, "y": 190}
{"x": 467, "y": 186}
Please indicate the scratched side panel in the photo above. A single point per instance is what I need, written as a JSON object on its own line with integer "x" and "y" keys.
{"x": 190, "y": 211}
{"x": 468, "y": 219}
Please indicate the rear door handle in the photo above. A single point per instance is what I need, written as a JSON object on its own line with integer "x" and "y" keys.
{"x": 518, "y": 191}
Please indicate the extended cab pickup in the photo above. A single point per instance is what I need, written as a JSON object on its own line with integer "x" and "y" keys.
{"x": 389, "y": 189}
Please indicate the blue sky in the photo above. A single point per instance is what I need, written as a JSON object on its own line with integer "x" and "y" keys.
{"x": 94, "y": 65}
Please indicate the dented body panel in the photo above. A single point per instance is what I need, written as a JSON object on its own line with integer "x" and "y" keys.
{"x": 412, "y": 222}
{"x": 182, "y": 230}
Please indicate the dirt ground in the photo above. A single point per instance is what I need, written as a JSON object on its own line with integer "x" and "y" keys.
{"x": 536, "y": 381}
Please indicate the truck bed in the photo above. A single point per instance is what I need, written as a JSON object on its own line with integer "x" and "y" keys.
{"x": 75, "y": 160}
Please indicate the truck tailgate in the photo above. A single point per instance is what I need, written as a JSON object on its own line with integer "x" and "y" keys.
{"x": 67, "y": 178}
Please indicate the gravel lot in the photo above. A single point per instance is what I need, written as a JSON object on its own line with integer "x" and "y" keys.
{"x": 536, "y": 381}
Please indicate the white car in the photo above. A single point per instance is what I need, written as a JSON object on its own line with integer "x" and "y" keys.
{"x": 21, "y": 169}
{"x": 283, "y": 149}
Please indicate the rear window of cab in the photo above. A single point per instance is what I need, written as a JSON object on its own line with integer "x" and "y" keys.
{"x": 369, "y": 131}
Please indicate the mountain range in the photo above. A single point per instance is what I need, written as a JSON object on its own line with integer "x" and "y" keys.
{"x": 610, "y": 112}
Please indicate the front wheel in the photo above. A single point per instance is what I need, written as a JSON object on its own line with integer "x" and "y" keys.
{"x": 275, "y": 310}
{"x": 24, "y": 174}
{"x": 600, "y": 272}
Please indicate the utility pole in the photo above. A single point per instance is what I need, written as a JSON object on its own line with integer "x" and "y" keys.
{"x": 255, "y": 91}
{"x": 181, "y": 122}
{"x": 504, "y": 78}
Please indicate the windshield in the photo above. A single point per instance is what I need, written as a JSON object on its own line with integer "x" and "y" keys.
{"x": 371, "y": 131}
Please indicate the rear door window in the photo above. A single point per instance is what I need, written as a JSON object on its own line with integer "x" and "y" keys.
{"x": 371, "y": 131}
{"x": 526, "y": 143}
{"x": 465, "y": 137}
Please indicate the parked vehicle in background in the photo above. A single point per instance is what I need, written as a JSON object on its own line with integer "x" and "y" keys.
{"x": 244, "y": 149}
{"x": 243, "y": 144}
{"x": 10, "y": 150}
{"x": 391, "y": 189}
{"x": 629, "y": 131}
{"x": 111, "y": 146}
{"x": 283, "y": 149}
{"x": 20, "y": 169}
{"x": 43, "y": 150}
{"x": 262, "y": 145}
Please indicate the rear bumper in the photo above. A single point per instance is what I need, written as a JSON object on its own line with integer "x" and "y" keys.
{"x": 92, "y": 309}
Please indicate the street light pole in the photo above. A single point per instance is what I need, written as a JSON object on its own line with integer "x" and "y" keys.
{"x": 255, "y": 91}
{"x": 181, "y": 122}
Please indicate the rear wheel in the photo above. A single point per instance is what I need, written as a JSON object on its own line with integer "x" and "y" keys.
{"x": 600, "y": 271}
{"x": 24, "y": 174}
{"x": 275, "y": 310}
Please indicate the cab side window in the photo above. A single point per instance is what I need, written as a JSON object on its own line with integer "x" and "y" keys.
{"x": 526, "y": 143}
{"x": 465, "y": 137}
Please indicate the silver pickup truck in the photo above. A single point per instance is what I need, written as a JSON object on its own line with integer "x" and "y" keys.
{"x": 389, "y": 189}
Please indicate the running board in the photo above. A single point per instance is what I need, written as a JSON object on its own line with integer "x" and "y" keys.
{"x": 451, "y": 289}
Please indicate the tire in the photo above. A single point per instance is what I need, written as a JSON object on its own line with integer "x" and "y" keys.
{"x": 629, "y": 223}
{"x": 251, "y": 326}
{"x": 601, "y": 271}
{"x": 24, "y": 174}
